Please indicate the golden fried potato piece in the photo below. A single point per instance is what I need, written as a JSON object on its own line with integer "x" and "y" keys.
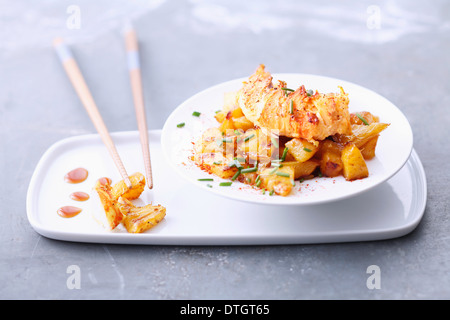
{"x": 109, "y": 202}
{"x": 330, "y": 158}
{"x": 368, "y": 149}
{"x": 354, "y": 165}
{"x": 279, "y": 180}
{"x": 140, "y": 219}
{"x": 301, "y": 149}
{"x": 120, "y": 189}
{"x": 302, "y": 169}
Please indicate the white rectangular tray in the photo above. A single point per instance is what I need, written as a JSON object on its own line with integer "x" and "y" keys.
{"x": 197, "y": 217}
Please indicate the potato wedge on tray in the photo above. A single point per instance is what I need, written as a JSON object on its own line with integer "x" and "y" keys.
{"x": 119, "y": 208}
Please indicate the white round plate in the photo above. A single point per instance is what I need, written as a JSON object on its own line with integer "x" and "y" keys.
{"x": 393, "y": 149}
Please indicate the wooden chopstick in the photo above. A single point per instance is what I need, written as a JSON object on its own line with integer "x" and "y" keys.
{"x": 132, "y": 49}
{"x": 81, "y": 88}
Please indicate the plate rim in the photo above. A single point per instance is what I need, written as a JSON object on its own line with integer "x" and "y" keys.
{"x": 275, "y": 201}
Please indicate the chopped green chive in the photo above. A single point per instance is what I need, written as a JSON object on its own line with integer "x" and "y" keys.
{"x": 258, "y": 181}
{"x": 205, "y": 179}
{"x": 287, "y": 89}
{"x": 271, "y": 192}
{"x": 249, "y": 170}
{"x": 293, "y": 182}
{"x": 307, "y": 150}
{"x": 237, "y": 132}
{"x": 291, "y": 107}
{"x": 309, "y": 93}
{"x": 249, "y": 137}
{"x": 276, "y": 164}
{"x": 362, "y": 119}
{"x": 209, "y": 186}
{"x": 227, "y": 140}
{"x": 236, "y": 175}
{"x": 283, "y": 157}
{"x": 196, "y": 114}
{"x": 217, "y": 162}
{"x": 225, "y": 184}
{"x": 274, "y": 141}
{"x": 264, "y": 191}
{"x": 240, "y": 159}
{"x": 283, "y": 174}
{"x": 218, "y": 111}
{"x": 301, "y": 180}
{"x": 249, "y": 180}
{"x": 273, "y": 171}
{"x": 180, "y": 125}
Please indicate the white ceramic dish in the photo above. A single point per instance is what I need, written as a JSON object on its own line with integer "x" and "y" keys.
{"x": 198, "y": 217}
{"x": 393, "y": 149}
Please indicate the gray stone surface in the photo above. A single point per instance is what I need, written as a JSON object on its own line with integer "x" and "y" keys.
{"x": 397, "y": 48}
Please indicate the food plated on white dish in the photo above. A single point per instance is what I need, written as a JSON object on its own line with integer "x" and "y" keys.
{"x": 287, "y": 139}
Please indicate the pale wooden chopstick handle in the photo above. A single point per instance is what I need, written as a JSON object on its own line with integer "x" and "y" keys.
{"x": 132, "y": 50}
{"x": 81, "y": 88}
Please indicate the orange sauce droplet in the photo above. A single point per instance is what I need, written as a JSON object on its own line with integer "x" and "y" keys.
{"x": 79, "y": 196}
{"x": 76, "y": 175}
{"x": 68, "y": 211}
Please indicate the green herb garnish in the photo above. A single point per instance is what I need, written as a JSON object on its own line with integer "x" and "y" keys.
{"x": 283, "y": 157}
{"x": 249, "y": 137}
{"x": 225, "y": 184}
{"x": 291, "y": 107}
{"x": 236, "y": 175}
{"x": 362, "y": 119}
{"x": 307, "y": 150}
{"x": 249, "y": 170}
{"x": 180, "y": 125}
{"x": 196, "y": 114}
{"x": 205, "y": 179}
{"x": 283, "y": 174}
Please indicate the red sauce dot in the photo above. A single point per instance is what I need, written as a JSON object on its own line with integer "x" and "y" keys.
{"x": 76, "y": 175}
{"x": 68, "y": 211}
{"x": 79, "y": 196}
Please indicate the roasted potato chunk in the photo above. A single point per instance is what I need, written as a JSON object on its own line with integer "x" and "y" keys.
{"x": 302, "y": 169}
{"x": 368, "y": 149}
{"x": 109, "y": 203}
{"x": 242, "y": 123}
{"x": 301, "y": 149}
{"x": 330, "y": 159}
{"x": 140, "y": 219}
{"x": 280, "y": 180}
{"x": 120, "y": 189}
{"x": 217, "y": 164}
{"x": 354, "y": 165}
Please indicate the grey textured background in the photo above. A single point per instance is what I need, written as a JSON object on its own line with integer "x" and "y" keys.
{"x": 187, "y": 46}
